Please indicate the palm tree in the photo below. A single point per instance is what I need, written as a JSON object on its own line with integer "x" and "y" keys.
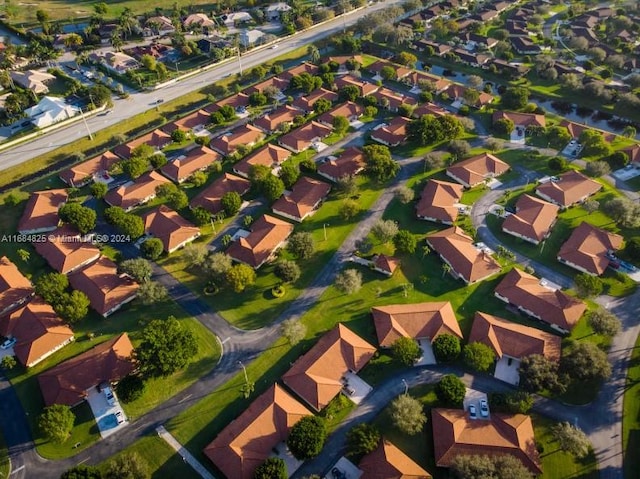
{"x": 24, "y": 255}
{"x": 629, "y": 131}
{"x": 425, "y": 251}
{"x": 314, "y": 53}
{"x": 116, "y": 39}
{"x": 445, "y": 269}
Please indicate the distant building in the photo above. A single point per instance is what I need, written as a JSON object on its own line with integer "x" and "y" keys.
{"x": 50, "y": 110}
{"x": 248, "y": 38}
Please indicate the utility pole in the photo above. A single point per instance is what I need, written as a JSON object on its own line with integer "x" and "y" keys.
{"x": 406, "y": 387}
{"x": 86, "y": 124}
{"x": 239, "y": 60}
{"x": 246, "y": 378}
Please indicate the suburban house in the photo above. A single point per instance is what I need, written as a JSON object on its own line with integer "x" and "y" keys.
{"x": 157, "y": 139}
{"x": 304, "y": 137}
{"x": 534, "y": 298}
{"x": 514, "y": 70}
{"x": 576, "y": 129}
{"x": 319, "y": 375}
{"x": 588, "y": 247}
{"x": 377, "y": 66}
{"x": 256, "y": 434}
{"x": 95, "y": 169}
{"x": 274, "y": 11}
{"x": 305, "y": 103}
{"x": 429, "y": 109}
{"x": 570, "y": 188}
{"x": 385, "y": 264}
{"x": 304, "y": 67}
{"x": 234, "y": 19}
{"x": 511, "y": 342}
{"x": 472, "y": 59}
{"x": 200, "y": 20}
{"x": 439, "y": 201}
{"x": 106, "y": 289}
{"x": 210, "y": 198}
{"x": 423, "y": 322}
{"x": 33, "y": 80}
{"x": 69, "y": 382}
{"x": 391, "y": 100}
{"x": 239, "y": 102}
{"x": 533, "y": 219}
{"x": 391, "y": 134}
{"x": 439, "y": 49}
{"x": 50, "y": 110}
{"x": 525, "y": 46}
{"x": 159, "y": 25}
{"x": 246, "y": 135}
{"x": 15, "y": 288}
{"x": 342, "y": 61}
{"x": 455, "y": 91}
{"x": 38, "y": 331}
{"x": 248, "y": 38}
{"x": 269, "y": 155}
{"x": 477, "y": 169}
{"x": 137, "y": 192}
{"x": 117, "y": 62}
{"x": 350, "y": 110}
{"x": 273, "y": 82}
{"x": 183, "y": 167}
{"x": 350, "y": 162}
{"x": 365, "y": 88}
{"x": 194, "y": 122}
{"x": 465, "y": 261}
{"x": 170, "y": 228}
{"x": 267, "y": 235}
{"x": 65, "y": 252}
{"x": 455, "y": 433}
{"x": 303, "y": 200}
{"x": 389, "y": 462}
{"x": 520, "y": 120}
{"x": 272, "y": 120}
{"x": 41, "y": 211}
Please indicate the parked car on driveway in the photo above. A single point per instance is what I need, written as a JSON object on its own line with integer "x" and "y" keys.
{"x": 484, "y": 408}
{"x": 8, "y": 343}
{"x": 473, "y": 411}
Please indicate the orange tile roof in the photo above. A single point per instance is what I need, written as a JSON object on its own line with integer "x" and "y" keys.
{"x": 157, "y": 139}
{"x": 41, "y": 212}
{"x": 267, "y": 234}
{"x": 513, "y": 339}
{"x": 533, "y": 219}
{"x": 429, "y": 109}
{"x": 576, "y": 129}
{"x": 272, "y": 120}
{"x": 456, "y": 247}
{"x": 301, "y": 138}
{"x": 475, "y": 170}
{"x": 572, "y": 187}
{"x": 236, "y": 101}
{"x": 304, "y": 67}
{"x": 437, "y": 201}
{"x": 269, "y": 155}
{"x": 65, "y": 251}
{"x": 249, "y": 440}
{"x": 171, "y": 228}
{"x": 417, "y": 321}
{"x": 304, "y": 198}
{"x": 316, "y": 376}
{"x": 365, "y": 87}
{"x": 68, "y": 382}
{"x": 137, "y": 192}
{"x": 587, "y": 248}
{"x": 210, "y": 198}
{"x": 15, "y": 289}
{"x": 242, "y": 135}
{"x": 633, "y": 152}
{"x": 350, "y": 162}
{"x": 307, "y": 102}
{"x": 107, "y": 290}
{"x": 38, "y": 331}
{"x": 349, "y": 110}
{"x": 196, "y": 159}
{"x": 84, "y": 172}
{"x": 279, "y": 83}
{"x": 385, "y": 263}
{"x": 389, "y": 462}
{"x": 189, "y": 122}
{"x": 377, "y": 66}
{"x": 520, "y": 119}
{"x": 392, "y": 134}
{"x": 343, "y": 59}
{"x": 554, "y": 307}
{"x": 395, "y": 99}
{"x": 454, "y": 434}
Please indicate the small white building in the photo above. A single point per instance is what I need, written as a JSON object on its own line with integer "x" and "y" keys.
{"x": 50, "y": 110}
{"x": 274, "y": 11}
{"x": 248, "y": 38}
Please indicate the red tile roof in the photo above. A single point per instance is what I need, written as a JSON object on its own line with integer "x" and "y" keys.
{"x": 140, "y": 191}
{"x": 572, "y": 187}
{"x": 395, "y": 99}
{"x": 210, "y": 198}
{"x": 242, "y": 135}
{"x": 189, "y": 122}
{"x": 429, "y": 109}
{"x": 349, "y": 110}
{"x": 438, "y": 200}
{"x": 306, "y": 103}
{"x": 533, "y": 219}
{"x": 389, "y": 462}
{"x": 65, "y": 251}
{"x": 196, "y": 159}
{"x": 86, "y": 171}
{"x": 520, "y": 119}
{"x": 302, "y": 138}
{"x": 364, "y": 86}
{"x": 377, "y": 66}
{"x": 41, "y": 212}
{"x": 633, "y": 152}
{"x": 236, "y": 101}
{"x": 171, "y": 228}
{"x": 279, "y": 83}
{"x": 15, "y": 289}
{"x": 267, "y": 235}
{"x": 269, "y": 155}
{"x": 304, "y": 198}
{"x": 576, "y": 129}
{"x": 272, "y": 120}
{"x": 475, "y": 170}
{"x": 392, "y": 134}
{"x": 157, "y": 139}
{"x": 386, "y": 264}
{"x": 350, "y": 162}
{"x": 304, "y": 67}
{"x": 587, "y": 248}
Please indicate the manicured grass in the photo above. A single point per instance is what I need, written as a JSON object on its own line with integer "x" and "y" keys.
{"x": 5, "y": 465}
{"x": 631, "y": 416}
{"x": 469, "y": 197}
{"x": 337, "y": 410}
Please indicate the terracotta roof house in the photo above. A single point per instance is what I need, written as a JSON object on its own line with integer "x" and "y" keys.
{"x": 267, "y": 235}
{"x": 456, "y": 91}
{"x": 269, "y": 155}
{"x": 389, "y": 462}
{"x": 533, "y": 219}
{"x": 277, "y": 82}
{"x": 525, "y": 46}
{"x": 38, "y": 330}
{"x": 350, "y": 162}
{"x": 107, "y": 290}
{"x": 438, "y": 202}
{"x": 33, "y": 80}
{"x": 377, "y": 66}
{"x": 364, "y": 86}
{"x": 416, "y": 77}
{"x": 393, "y": 98}
{"x": 350, "y": 110}
{"x": 137, "y": 192}
{"x": 302, "y": 138}
{"x": 65, "y": 251}
{"x": 199, "y": 19}
{"x": 68, "y": 383}
{"x": 158, "y": 139}
{"x": 385, "y": 264}
{"x": 15, "y": 289}
{"x": 41, "y": 211}
{"x": 305, "y": 197}
{"x": 210, "y": 198}
{"x": 524, "y": 120}
{"x": 587, "y": 248}
{"x": 95, "y": 169}
{"x": 304, "y": 67}
{"x": 416, "y": 321}
{"x": 197, "y": 159}
{"x": 317, "y": 376}
{"x": 456, "y": 249}
{"x": 477, "y": 169}
{"x": 473, "y": 59}
{"x": 171, "y": 228}
{"x": 570, "y": 188}
{"x": 438, "y": 48}
{"x": 249, "y": 439}
{"x": 272, "y": 120}
{"x": 530, "y": 296}
{"x": 633, "y": 152}
{"x": 239, "y": 102}
{"x": 576, "y": 129}
{"x": 195, "y": 121}
{"x": 391, "y": 134}
{"x": 342, "y": 60}
{"x": 454, "y": 433}
{"x": 243, "y": 135}
{"x": 429, "y": 109}
{"x": 305, "y": 103}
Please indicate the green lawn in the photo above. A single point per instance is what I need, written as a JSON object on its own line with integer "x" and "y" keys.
{"x": 631, "y": 416}
{"x": 5, "y": 465}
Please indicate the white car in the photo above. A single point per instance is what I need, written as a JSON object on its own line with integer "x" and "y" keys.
{"x": 119, "y": 417}
{"x": 108, "y": 394}
{"x": 8, "y": 343}
{"x": 484, "y": 408}
{"x": 473, "y": 411}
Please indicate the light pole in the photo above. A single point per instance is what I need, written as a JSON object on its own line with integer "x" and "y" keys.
{"x": 406, "y": 387}
{"x": 246, "y": 379}
{"x": 324, "y": 229}
{"x": 86, "y": 124}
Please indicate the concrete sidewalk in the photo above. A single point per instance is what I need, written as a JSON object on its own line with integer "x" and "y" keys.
{"x": 186, "y": 455}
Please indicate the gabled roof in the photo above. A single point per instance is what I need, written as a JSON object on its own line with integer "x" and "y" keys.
{"x": 454, "y": 433}
{"x": 520, "y": 119}
{"x": 429, "y": 109}
{"x": 41, "y": 211}
{"x": 196, "y": 159}
{"x": 392, "y": 134}
{"x": 476, "y": 169}
{"x": 132, "y": 194}
{"x": 347, "y": 110}
{"x": 158, "y": 139}
{"x": 316, "y": 376}
{"x": 65, "y": 251}
{"x": 301, "y": 138}
{"x": 456, "y": 247}
{"x": 267, "y": 233}
{"x": 306, "y": 103}
{"x": 189, "y": 122}
{"x": 385, "y": 263}
{"x": 571, "y": 187}
{"x": 236, "y": 101}
{"x": 168, "y": 226}
{"x": 389, "y": 462}
{"x": 304, "y": 67}
{"x": 250, "y": 438}
{"x": 14, "y": 287}
{"x": 37, "y": 329}
{"x": 303, "y": 199}
{"x": 269, "y": 155}
{"x": 420, "y": 320}
{"x": 395, "y": 99}
{"x": 533, "y": 218}
{"x": 513, "y": 339}
{"x": 198, "y": 19}
{"x": 587, "y": 248}
{"x": 377, "y": 66}
{"x": 277, "y": 82}
{"x": 210, "y": 198}
{"x": 576, "y": 129}
{"x": 438, "y": 200}
{"x": 242, "y": 135}
{"x": 343, "y": 59}
{"x": 365, "y": 87}
{"x": 68, "y": 382}
{"x": 350, "y": 162}
{"x": 87, "y": 169}
{"x": 552, "y": 306}
{"x": 272, "y": 120}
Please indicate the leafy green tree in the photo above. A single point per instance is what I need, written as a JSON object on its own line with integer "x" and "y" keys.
{"x": 56, "y": 423}
{"x": 130, "y": 388}
{"x": 349, "y": 209}
{"x": 588, "y": 285}
{"x": 406, "y": 350}
{"x": 586, "y": 361}
{"x": 405, "y": 242}
{"x": 82, "y": 471}
{"x": 379, "y": 163}
{"x": 558, "y": 137}
{"x": 178, "y": 136}
{"x": 272, "y": 188}
{"x": 446, "y": 347}
{"x": 604, "y": 322}
{"x": 52, "y": 287}
{"x": 515, "y": 98}
{"x": 99, "y": 190}
{"x": 152, "y": 248}
{"x": 538, "y": 373}
{"x": 478, "y": 356}
{"x": 504, "y": 126}
{"x": 81, "y": 217}
{"x": 72, "y": 307}
{"x": 301, "y": 245}
{"x": 294, "y": 331}
{"x": 519, "y": 402}
{"x": 200, "y": 216}
{"x": 362, "y": 439}
{"x": 287, "y": 270}
{"x": 407, "y": 414}
{"x": 135, "y": 166}
{"x": 597, "y": 168}
{"x": 138, "y": 268}
{"x": 322, "y": 106}
{"x": 388, "y": 73}
{"x": 289, "y": 174}
{"x": 451, "y": 390}
{"x": 240, "y": 276}
{"x": 258, "y": 99}
{"x": 558, "y": 163}
{"x": 623, "y": 211}
{"x": 8, "y": 363}
{"x": 152, "y": 292}
{"x": 572, "y": 439}
{"x": 348, "y": 93}
{"x": 593, "y": 143}
{"x": 349, "y": 281}
{"x": 505, "y": 466}
{"x": 272, "y": 468}
{"x": 384, "y": 230}
{"x": 217, "y": 265}
{"x": 632, "y": 249}
{"x": 405, "y": 194}
{"x": 307, "y": 437}
{"x": 231, "y": 202}
{"x": 340, "y": 124}
{"x": 127, "y": 466}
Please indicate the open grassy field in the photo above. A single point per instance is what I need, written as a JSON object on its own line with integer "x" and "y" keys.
{"x": 631, "y": 416}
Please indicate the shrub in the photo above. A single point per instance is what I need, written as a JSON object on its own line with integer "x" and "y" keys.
{"x": 130, "y": 388}
{"x": 451, "y": 390}
{"x": 446, "y": 347}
